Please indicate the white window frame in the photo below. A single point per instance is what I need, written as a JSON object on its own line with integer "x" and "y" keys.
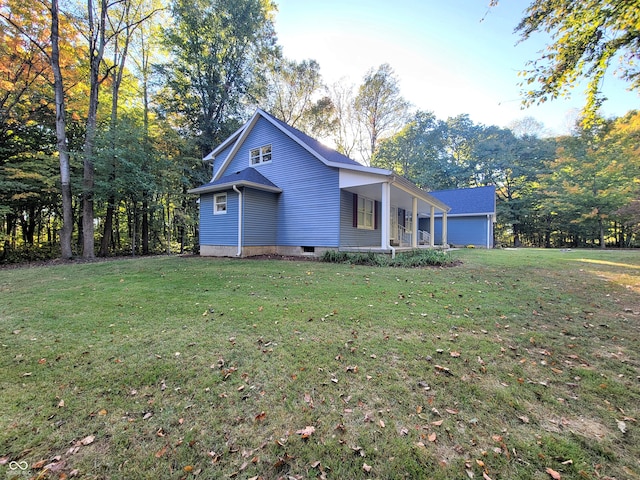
{"x": 220, "y": 204}
{"x": 366, "y": 213}
{"x": 258, "y": 156}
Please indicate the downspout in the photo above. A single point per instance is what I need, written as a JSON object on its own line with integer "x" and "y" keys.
{"x": 488, "y": 231}
{"x": 239, "y": 252}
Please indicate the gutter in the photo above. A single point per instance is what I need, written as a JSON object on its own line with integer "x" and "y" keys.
{"x": 235, "y": 189}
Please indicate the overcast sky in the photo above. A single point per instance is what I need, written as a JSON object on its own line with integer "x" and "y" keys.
{"x": 451, "y": 56}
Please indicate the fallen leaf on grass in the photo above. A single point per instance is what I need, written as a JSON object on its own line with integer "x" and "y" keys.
{"x": 485, "y": 476}
{"x": 432, "y": 437}
{"x": 282, "y": 461}
{"x": 555, "y": 475}
{"x": 359, "y": 450}
{"x": 306, "y": 432}
{"x": 161, "y": 452}
{"x": 366, "y": 468}
{"x": 88, "y": 440}
{"x": 437, "y": 423}
{"x": 442, "y": 369}
{"x": 622, "y": 426}
{"x": 55, "y": 466}
{"x": 261, "y": 416}
{"x": 308, "y": 400}
{"x": 454, "y": 354}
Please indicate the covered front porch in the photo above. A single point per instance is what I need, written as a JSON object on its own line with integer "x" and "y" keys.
{"x": 385, "y": 212}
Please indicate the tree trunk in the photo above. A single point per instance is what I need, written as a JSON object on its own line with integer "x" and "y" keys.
{"x": 61, "y": 136}
{"x": 107, "y": 232}
{"x": 96, "y": 53}
{"x": 145, "y": 226}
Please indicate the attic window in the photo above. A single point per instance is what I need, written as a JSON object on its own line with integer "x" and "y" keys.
{"x": 260, "y": 155}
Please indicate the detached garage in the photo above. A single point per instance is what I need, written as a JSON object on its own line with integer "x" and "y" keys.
{"x": 471, "y": 218}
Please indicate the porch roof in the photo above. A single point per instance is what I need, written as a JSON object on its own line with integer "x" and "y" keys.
{"x": 249, "y": 177}
{"x": 402, "y": 190}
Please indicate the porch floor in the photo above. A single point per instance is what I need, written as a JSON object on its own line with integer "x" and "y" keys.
{"x": 396, "y": 249}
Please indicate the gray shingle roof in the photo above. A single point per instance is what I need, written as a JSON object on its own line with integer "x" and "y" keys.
{"x": 469, "y": 201}
{"x": 247, "y": 177}
{"x": 326, "y": 152}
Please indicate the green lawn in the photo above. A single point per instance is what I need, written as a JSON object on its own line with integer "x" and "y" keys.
{"x": 516, "y": 364}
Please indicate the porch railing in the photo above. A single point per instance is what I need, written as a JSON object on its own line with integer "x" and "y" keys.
{"x": 424, "y": 238}
{"x": 405, "y": 237}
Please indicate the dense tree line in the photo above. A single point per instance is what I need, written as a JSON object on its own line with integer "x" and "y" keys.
{"x": 578, "y": 190}
{"x": 106, "y": 109}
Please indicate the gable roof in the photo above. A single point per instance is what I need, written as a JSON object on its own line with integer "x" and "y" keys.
{"x": 326, "y": 155}
{"x": 469, "y": 201}
{"x": 249, "y": 177}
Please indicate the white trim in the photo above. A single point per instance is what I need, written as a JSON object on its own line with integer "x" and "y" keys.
{"x": 216, "y": 204}
{"x": 228, "y": 185}
{"x": 260, "y": 156}
{"x": 367, "y": 202}
{"x": 235, "y": 189}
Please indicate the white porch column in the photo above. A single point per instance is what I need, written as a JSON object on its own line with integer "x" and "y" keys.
{"x": 414, "y": 223}
{"x": 432, "y": 227}
{"x": 444, "y": 229}
{"x": 385, "y": 222}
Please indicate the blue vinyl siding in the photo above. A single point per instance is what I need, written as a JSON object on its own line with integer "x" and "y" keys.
{"x": 260, "y": 217}
{"x": 356, "y": 237}
{"x": 219, "y": 229}
{"x": 310, "y": 200}
{"x": 220, "y": 158}
{"x": 461, "y": 231}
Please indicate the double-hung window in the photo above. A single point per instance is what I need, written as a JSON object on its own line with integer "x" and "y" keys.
{"x": 260, "y": 155}
{"x": 220, "y": 204}
{"x": 366, "y": 213}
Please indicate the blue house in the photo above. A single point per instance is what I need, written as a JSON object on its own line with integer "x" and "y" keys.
{"x": 471, "y": 218}
{"x": 275, "y": 190}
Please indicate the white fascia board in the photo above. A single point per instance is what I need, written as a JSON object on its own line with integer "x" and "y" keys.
{"x": 228, "y": 185}
{"x": 346, "y": 166}
{"x": 212, "y": 155}
{"x": 359, "y": 168}
{"x": 243, "y": 133}
{"x": 451, "y": 215}
{"x": 354, "y": 178}
{"x": 412, "y": 189}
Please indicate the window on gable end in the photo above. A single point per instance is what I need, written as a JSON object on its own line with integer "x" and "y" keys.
{"x": 220, "y": 204}
{"x": 260, "y": 155}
